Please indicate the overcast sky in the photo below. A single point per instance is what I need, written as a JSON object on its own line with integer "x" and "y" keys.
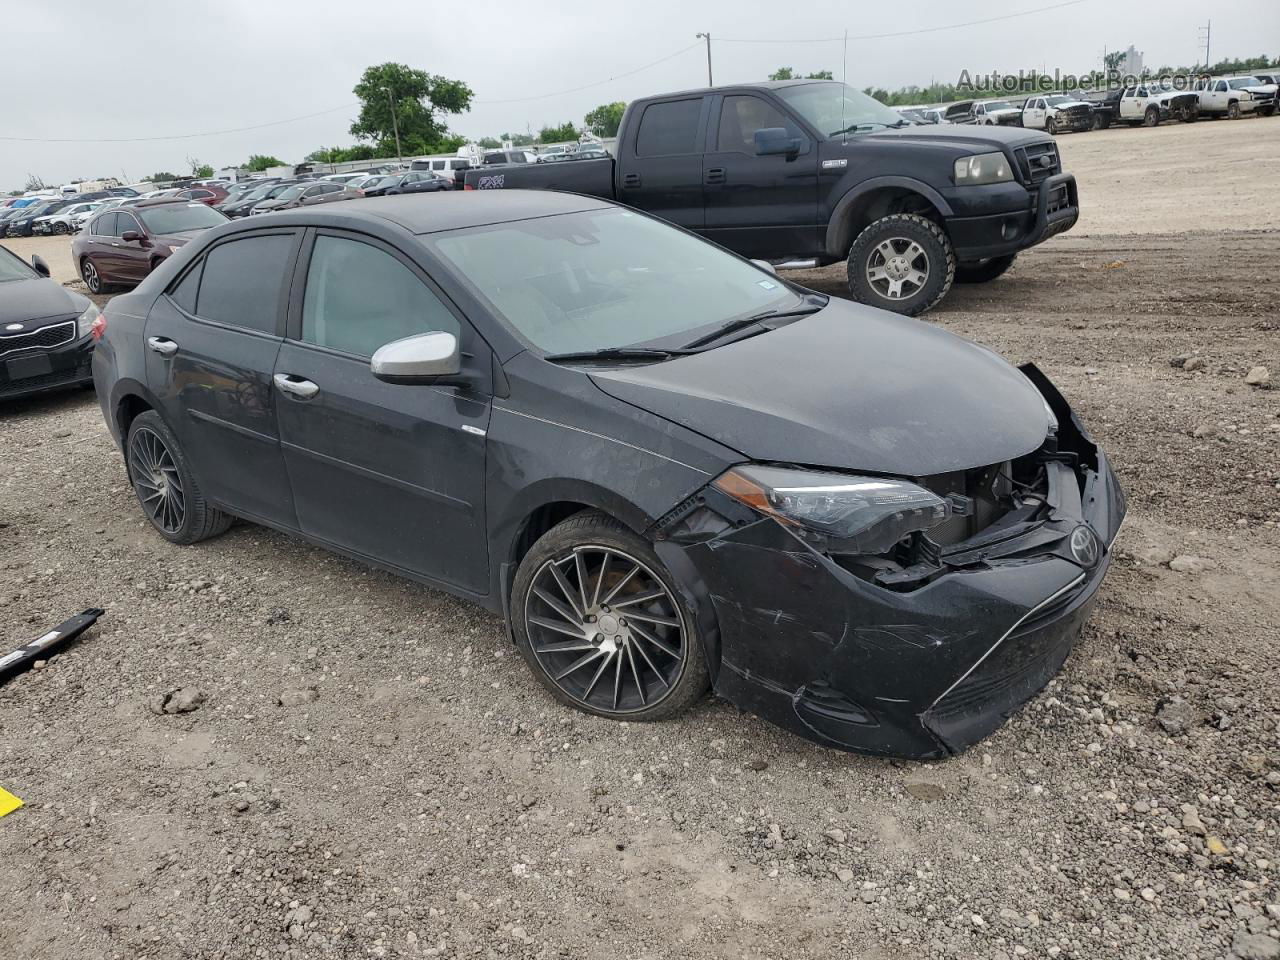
{"x": 188, "y": 67}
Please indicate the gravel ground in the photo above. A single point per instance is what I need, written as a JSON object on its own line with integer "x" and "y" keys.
{"x": 366, "y": 768}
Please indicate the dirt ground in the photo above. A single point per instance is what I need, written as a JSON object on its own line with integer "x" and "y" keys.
{"x": 374, "y": 773}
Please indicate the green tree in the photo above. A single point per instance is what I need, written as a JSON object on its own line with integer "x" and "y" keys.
{"x": 566, "y": 131}
{"x": 420, "y": 101}
{"x": 605, "y": 119}
{"x": 820, "y": 75}
{"x": 489, "y": 143}
{"x": 162, "y": 177}
{"x": 204, "y": 171}
{"x": 259, "y": 162}
{"x": 518, "y": 139}
{"x": 783, "y": 73}
{"x": 1113, "y": 60}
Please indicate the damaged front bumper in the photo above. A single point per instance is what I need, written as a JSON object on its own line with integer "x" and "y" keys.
{"x": 920, "y": 668}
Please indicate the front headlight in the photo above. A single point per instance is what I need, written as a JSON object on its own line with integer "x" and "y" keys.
{"x": 983, "y": 168}
{"x": 85, "y": 321}
{"x": 837, "y": 511}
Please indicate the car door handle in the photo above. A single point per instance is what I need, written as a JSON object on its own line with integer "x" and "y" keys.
{"x": 295, "y": 386}
{"x": 162, "y": 345}
{"x": 631, "y": 180}
{"x": 715, "y": 175}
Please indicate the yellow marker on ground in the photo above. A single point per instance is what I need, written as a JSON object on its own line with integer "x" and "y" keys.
{"x": 8, "y": 802}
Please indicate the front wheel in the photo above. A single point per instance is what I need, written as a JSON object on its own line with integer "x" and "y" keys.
{"x": 1152, "y": 117}
{"x": 165, "y": 486}
{"x": 902, "y": 262}
{"x": 59, "y": 229}
{"x": 1233, "y": 110}
{"x": 1051, "y": 127}
{"x": 92, "y": 279}
{"x": 602, "y": 625}
{"x": 980, "y": 271}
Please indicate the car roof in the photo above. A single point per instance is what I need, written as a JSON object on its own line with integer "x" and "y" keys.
{"x": 448, "y": 210}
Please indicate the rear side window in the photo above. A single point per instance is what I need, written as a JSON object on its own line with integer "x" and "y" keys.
{"x": 668, "y": 129}
{"x": 184, "y": 294}
{"x": 740, "y": 118}
{"x": 242, "y": 281}
{"x": 360, "y": 298}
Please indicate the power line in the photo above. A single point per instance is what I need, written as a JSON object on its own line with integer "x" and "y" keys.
{"x": 598, "y": 83}
{"x": 179, "y": 136}
{"x": 910, "y": 33}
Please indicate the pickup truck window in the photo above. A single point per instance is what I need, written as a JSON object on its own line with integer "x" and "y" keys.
{"x": 605, "y": 278}
{"x": 740, "y": 118}
{"x": 668, "y": 129}
{"x": 832, "y": 108}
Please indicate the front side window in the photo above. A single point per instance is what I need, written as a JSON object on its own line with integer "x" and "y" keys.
{"x": 1221, "y": 87}
{"x": 242, "y": 281}
{"x": 669, "y": 129}
{"x": 605, "y": 278}
{"x": 360, "y": 298}
{"x": 740, "y": 118}
{"x": 105, "y": 226}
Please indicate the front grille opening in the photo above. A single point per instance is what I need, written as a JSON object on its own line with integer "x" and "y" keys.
{"x": 1038, "y": 161}
{"x": 53, "y": 335}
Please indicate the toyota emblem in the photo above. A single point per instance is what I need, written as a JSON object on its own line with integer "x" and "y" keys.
{"x": 1084, "y": 546}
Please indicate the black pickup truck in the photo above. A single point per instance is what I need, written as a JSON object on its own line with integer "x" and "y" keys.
{"x": 815, "y": 172}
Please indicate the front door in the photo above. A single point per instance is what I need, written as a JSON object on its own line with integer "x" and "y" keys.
{"x": 393, "y": 472}
{"x": 759, "y": 206}
{"x": 211, "y": 345}
{"x": 1033, "y": 115}
{"x": 664, "y": 174}
{"x": 133, "y": 257}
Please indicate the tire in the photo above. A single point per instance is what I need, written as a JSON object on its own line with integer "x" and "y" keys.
{"x": 869, "y": 266}
{"x": 567, "y": 570}
{"x": 1233, "y": 110}
{"x": 1152, "y": 117}
{"x": 156, "y": 466}
{"x": 1051, "y": 127}
{"x": 60, "y": 229}
{"x": 91, "y": 277}
{"x": 1097, "y": 123}
{"x": 981, "y": 271}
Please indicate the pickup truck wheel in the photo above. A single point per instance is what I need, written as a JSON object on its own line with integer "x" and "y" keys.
{"x": 1233, "y": 110}
{"x": 980, "y": 271}
{"x": 1098, "y": 123}
{"x": 902, "y": 262}
{"x": 1152, "y": 117}
{"x": 1051, "y": 127}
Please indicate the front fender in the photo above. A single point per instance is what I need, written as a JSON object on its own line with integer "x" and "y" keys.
{"x": 861, "y": 191}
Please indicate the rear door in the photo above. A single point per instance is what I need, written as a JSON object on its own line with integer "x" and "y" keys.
{"x": 212, "y": 341}
{"x": 758, "y": 206}
{"x": 662, "y": 172}
{"x": 393, "y": 472}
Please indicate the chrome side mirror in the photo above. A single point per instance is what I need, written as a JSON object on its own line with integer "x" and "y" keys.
{"x": 765, "y": 265}
{"x": 423, "y": 358}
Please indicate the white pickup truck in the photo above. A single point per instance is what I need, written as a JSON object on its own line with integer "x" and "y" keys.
{"x": 1233, "y": 97}
{"x": 1150, "y": 103}
{"x": 1057, "y": 112}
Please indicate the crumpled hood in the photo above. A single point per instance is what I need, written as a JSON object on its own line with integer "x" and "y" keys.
{"x": 851, "y": 387}
{"x": 23, "y": 301}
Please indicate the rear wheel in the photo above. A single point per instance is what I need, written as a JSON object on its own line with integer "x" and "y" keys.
{"x": 602, "y": 625}
{"x": 92, "y": 279}
{"x": 980, "y": 271}
{"x": 902, "y": 262}
{"x": 165, "y": 486}
{"x": 1152, "y": 117}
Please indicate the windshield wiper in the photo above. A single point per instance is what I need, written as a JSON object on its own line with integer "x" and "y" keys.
{"x": 733, "y": 326}
{"x": 624, "y": 354}
{"x": 853, "y": 128}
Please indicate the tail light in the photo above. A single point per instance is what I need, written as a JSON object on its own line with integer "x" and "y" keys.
{"x": 99, "y": 328}
{"x": 468, "y": 187}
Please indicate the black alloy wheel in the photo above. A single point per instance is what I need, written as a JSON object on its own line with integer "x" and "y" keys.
{"x": 601, "y": 624}
{"x": 156, "y": 480}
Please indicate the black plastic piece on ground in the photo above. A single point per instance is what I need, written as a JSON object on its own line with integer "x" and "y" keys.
{"x": 43, "y": 645}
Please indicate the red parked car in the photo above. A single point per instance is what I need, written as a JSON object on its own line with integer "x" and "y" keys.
{"x": 201, "y": 194}
{"x": 124, "y": 244}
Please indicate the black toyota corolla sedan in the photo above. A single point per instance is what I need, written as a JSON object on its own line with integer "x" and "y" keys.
{"x": 666, "y": 467}
{"x": 45, "y": 340}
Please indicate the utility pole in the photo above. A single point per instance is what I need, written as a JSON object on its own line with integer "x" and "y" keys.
{"x": 707, "y": 37}
{"x": 395, "y": 126}
{"x": 1204, "y": 32}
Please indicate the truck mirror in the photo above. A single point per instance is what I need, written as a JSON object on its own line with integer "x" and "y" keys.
{"x": 773, "y": 141}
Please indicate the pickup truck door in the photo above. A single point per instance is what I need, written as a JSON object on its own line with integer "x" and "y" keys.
{"x": 1033, "y": 114}
{"x": 758, "y": 206}
{"x": 660, "y": 168}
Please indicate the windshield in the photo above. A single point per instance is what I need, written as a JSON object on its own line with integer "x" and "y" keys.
{"x": 260, "y": 193}
{"x": 606, "y": 278}
{"x": 999, "y": 105}
{"x": 293, "y": 192}
{"x": 834, "y": 108}
{"x": 178, "y": 217}
{"x": 1241, "y": 82}
{"x": 1055, "y": 101}
{"x": 11, "y": 268}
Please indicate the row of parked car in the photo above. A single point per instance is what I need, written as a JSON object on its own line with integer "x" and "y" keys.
{"x": 1147, "y": 104}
